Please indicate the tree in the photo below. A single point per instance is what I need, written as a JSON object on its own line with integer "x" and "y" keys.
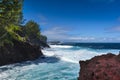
{"x": 43, "y": 38}
{"x": 10, "y": 18}
{"x": 33, "y": 33}
{"x": 10, "y": 11}
{"x": 32, "y": 29}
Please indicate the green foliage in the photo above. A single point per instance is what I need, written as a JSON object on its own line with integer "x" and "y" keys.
{"x": 12, "y": 29}
{"x": 6, "y": 39}
{"x": 10, "y": 11}
{"x": 10, "y": 35}
{"x": 32, "y": 29}
{"x": 43, "y": 38}
{"x": 10, "y": 18}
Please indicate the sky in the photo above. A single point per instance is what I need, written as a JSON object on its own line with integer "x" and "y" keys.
{"x": 76, "y": 20}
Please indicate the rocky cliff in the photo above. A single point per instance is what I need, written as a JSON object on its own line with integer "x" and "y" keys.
{"x": 20, "y": 51}
{"x": 105, "y": 67}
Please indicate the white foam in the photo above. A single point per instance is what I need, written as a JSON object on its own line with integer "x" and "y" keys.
{"x": 67, "y": 55}
{"x": 48, "y": 52}
{"x": 73, "y": 56}
{"x": 60, "y": 46}
{"x": 58, "y": 53}
{"x": 68, "y": 60}
{"x": 8, "y": 74}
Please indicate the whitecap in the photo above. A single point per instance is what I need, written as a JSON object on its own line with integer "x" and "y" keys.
{"x": 60, "y": 46}
{"x": 74, "y": 56}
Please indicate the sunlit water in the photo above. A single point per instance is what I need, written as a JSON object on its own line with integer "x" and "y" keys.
{"x": 61, "y": 62}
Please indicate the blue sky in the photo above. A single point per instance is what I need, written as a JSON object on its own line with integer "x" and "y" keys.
{"x": 76, "y": 20}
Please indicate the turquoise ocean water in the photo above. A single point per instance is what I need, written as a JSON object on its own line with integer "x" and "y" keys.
{"x": 61, "y": 62}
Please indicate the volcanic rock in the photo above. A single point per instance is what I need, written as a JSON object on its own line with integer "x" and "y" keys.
{"x": 104, "y": 67}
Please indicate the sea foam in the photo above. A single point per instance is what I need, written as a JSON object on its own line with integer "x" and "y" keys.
{"x": 61, "y": 63}
{"x": 71, "y": 55}
{"x": 60, "y": 46}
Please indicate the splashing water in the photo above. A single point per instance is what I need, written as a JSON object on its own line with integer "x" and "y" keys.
{"x": 61, "y": 63}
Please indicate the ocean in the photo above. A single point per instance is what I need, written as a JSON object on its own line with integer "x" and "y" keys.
{"x": 61, "y": 62}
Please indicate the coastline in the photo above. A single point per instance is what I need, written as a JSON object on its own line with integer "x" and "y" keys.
{"x": 21, "y": 51}
{"x": 104, "y": 67}
{"x": 61, "y": 62}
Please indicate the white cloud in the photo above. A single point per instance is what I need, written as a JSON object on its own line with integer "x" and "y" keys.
{"x": 118, "y": 19}
{"x": 56, "y": 33}
{"x": 62, "y": 34}
{"x": 114, "y": 29}
{"x": 82, "y": 38}
{"x": 43, "y": 19}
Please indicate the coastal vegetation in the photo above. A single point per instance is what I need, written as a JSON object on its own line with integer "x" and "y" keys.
{"x": 19, "y": 40}
{"x": 11, "y": 24}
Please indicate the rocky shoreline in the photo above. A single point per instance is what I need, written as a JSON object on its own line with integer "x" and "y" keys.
{"x": 104, "y": 67}
{"x": 20, "y": 51}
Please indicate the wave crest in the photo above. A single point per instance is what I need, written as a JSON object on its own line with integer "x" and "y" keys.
{"x": 71, "y": 54}
{"x": 60, "y": 46}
